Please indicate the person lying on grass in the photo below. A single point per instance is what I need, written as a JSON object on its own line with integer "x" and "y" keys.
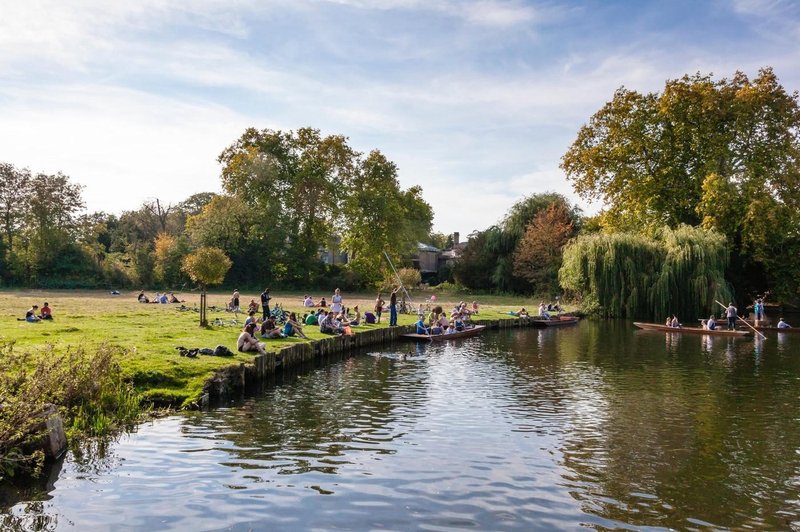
{"x": 247, "y": 341}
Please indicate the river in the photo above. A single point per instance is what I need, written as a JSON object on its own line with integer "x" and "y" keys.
{"x": 595, "y": 426}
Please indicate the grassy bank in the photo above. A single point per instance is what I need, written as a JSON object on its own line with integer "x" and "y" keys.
{"x": 147, "y": 334}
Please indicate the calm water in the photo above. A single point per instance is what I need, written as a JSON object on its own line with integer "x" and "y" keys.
{"x": 596, "y": 426}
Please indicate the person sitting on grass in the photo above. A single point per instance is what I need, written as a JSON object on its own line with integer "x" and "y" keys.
{"x": 247, "y": 341}
{"x": 142, "y": 298}
{"x": 292, "y": 328}
{"x": 251, "y": 318}
{"x": 173, "y": 299}
{"x": 370, "y": 318}
{"x": 163, "y": 299}
{"x": 322, "y": 303}
{"x": 269, "y": 329}
{"x": 311, "y": 319}
{"x": 30, "y": 315}
{"x": 327, "y": 324}
{"x": 474, "y": 307}
{"x": 356, "y": 317}
{"x": 46, "y": 312}
{"x": 252, "y": 306}
{"x": 308, "y": 302}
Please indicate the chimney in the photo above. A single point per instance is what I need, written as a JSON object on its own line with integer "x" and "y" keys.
{"x": 455, "y": 238}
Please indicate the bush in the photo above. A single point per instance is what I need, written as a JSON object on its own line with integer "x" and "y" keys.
{"x": 86, "y": 387}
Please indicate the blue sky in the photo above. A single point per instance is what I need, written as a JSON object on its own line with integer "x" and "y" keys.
{"x": 476, "y": 101}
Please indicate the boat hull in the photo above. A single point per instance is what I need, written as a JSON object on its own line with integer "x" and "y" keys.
{"x": 554, "y": 322}
{"x": 472, "y": 331}
{"x": 792, "y": 330}
{"x": 690, "y": 330}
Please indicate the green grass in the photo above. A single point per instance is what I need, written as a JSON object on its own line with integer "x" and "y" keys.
{"x": 149, "y": 333}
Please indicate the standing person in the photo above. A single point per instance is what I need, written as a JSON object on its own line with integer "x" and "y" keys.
{"x": 758, "y": 309}
{"x": 393, "y": 307}
{"x": 265, "y": 297}
{"x": 731, "y": 313}
{"x": 235, "y": 300}
{"x": 379, "y": 303}
{"x": 336, "y": 301}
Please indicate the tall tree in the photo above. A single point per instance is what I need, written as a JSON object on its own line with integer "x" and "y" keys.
{"x": 378, "y": 216}
{"x": 538, "y": 255}
{"x": 724, "y": 153}
{"x": 51, "y": 221}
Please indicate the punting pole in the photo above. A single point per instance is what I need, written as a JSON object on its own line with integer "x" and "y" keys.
{"x": 745, "y": 322}
{"x": 399, "y": 281}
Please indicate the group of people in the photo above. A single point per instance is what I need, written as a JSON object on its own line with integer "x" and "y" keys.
{"x": 545, "y": 310}
{"x": 158, "y": 298}
{"x": 438, "y": 323}
{"x": 335, "y": 304}
{"x": 35, "y": 314}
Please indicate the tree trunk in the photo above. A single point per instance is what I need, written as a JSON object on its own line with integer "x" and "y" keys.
{"x": 203, "y": 320}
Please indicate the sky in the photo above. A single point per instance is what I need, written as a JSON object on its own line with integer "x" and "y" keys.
{"x": 474, "y": 100}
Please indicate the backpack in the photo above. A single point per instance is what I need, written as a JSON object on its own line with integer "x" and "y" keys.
{"x": 222, "y": 351}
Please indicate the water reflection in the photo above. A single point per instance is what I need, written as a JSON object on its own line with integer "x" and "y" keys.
{"x": 595, "y": 425}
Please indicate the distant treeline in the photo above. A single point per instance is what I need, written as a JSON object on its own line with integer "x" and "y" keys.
{"x": 700, "y": 185}
{"x": 287, "y": 196}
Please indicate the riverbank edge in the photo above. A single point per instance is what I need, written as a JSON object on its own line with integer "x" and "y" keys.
{"x": 231, "y": 382}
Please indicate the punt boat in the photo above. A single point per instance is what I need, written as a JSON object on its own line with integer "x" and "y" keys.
{"x": 469, "y": 331}
{"x": 557, "y": 321}
{"x": 690, "y": 330}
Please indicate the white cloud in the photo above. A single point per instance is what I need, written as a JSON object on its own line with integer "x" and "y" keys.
{"x": 125, "y": 146}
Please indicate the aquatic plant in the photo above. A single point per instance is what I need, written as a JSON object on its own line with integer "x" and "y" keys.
{"x": 86, "y": 387}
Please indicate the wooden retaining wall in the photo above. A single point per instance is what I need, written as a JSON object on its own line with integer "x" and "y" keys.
{"x": 232, "y": 381}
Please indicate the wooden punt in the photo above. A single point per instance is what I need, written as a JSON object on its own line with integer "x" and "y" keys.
{"x": 791, "y": 330}
{"x": 690, "y": 330}
{"x": 470, "y": 331}
{"x": 558, "y": 321}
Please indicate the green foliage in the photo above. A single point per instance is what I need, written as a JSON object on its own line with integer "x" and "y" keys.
{"x": 680, "y": 271}
{"x": 721, "y": 153}
{"x": 410, "y": 277}
{"x": 206, "y": 266}
{"x": 487, "y": 262}
{"x": 86, "y": 386}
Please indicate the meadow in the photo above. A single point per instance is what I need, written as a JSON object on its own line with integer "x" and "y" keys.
{"x": 148, "y": 334}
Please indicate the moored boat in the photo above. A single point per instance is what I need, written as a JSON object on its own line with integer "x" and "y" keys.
{"x": 557, "y": 321}
{"x": 690, "y": 330}
{"x": 469, "y": 331}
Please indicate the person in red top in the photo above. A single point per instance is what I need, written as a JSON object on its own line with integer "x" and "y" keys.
{"x": 46, "y": 312}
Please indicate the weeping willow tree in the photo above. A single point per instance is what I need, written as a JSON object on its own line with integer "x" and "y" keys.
{"x": 678, "y": 271}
